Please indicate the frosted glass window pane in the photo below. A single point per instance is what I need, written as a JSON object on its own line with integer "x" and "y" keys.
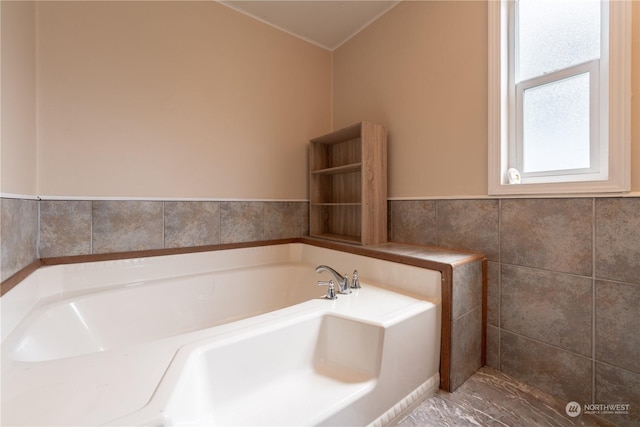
{"x": 555, "y": 133}
{"x": 556, "y": 34}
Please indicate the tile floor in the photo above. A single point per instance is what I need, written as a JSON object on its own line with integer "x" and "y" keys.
{"x": 491, "y": 398}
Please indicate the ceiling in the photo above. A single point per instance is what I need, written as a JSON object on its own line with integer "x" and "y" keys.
{"x": 325, "y": 23}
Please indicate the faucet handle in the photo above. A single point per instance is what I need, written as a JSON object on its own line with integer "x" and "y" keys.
{"x": 331, "y": 291}
{"x": 355, "y": 283}
{"x": 343, "y": 288}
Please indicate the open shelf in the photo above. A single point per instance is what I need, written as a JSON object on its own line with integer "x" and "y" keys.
{"x": 354, "y": 167}
{"x": 348, "y": 185}
{"x": 339, "y": 238}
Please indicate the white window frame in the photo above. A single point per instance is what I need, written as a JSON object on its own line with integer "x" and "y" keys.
{"x": 599, "y": 166}
{"x": 614, "y": 174}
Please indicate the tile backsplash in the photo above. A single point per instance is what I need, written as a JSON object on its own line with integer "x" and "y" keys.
{"x": 131, "y": 225}
{"x": 191, "y": 224}
{"x": 33, "y": 229}
{"x": 563, "y": 287}
{"x": 18, "y": 235}
{"x": 121, "y": 226}
{"x": 65, "y": 228}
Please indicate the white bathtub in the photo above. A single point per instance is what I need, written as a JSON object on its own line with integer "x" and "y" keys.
{"x": 233, "y": 337}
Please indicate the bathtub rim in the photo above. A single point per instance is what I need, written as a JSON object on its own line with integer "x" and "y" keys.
{"x": 422, "y": 256}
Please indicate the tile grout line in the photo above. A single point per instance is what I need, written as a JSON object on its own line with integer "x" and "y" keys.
{"x": 164, "y": 224}
{"x": 593, "y": 301}
{"x": 38, "y": 230}
{"x": 91, "y": 226}
{"x": 565, "y": 273}
{"x": 555, "y": 346}
{"x": 499, "y": 284}
{"x": 435, "y": 220}
{"x": 264, "y": 220}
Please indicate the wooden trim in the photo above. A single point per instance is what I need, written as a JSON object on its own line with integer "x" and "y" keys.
{"x": 161, "y": 252}
{"x": 485, "y": 288}
{"x": 445, "y": 327}
{"x": 12, "y": 281}
{"x": 389, "y": 256}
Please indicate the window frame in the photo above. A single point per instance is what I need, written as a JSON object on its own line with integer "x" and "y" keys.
{"x": 614, "y": 170}
{"x": 597, "y": 141}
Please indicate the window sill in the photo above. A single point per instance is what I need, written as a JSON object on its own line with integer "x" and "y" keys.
{"x": 564, "y": 188}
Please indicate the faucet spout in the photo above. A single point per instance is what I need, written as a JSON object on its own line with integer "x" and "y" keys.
{"x": 343, "y": 281}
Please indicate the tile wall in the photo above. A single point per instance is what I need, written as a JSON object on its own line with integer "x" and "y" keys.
{"x": 564, "y": 287}
{"x": 18, "y": 235}
{"x": 466, "y": 322}
{"x": 34, "y": 229}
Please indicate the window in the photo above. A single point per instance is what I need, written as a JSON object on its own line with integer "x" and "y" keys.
{"x": 559, "y": 96}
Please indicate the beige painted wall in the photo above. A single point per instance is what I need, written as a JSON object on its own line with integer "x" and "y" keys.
{"x": 171, "y": 99}
{"x": 175, "y": 99}
{"x": 421, "y": 70}
{"x": 635, "y": 98}
{"x": 18, "y": 94}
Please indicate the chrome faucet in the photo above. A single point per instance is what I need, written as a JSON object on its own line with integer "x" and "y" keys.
{"x": 355, "y": 282}
{"x": 343, "y": 281}
{"x": 331, "y": 291}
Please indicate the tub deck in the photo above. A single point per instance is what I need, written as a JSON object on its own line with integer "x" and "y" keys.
{"x": 298, "y": 358}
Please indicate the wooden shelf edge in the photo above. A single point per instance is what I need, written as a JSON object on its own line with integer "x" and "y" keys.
{"x": 354, "y": 167}
{"x": 336, "y": 204}
{"x": 340, "y": 135}
{"x": 339, "y": 238}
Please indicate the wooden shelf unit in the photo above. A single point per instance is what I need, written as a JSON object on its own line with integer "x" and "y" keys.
{"x": 348, "y": 185}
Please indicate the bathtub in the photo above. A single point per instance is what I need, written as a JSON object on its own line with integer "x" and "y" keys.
{"x": 230, "y": 337}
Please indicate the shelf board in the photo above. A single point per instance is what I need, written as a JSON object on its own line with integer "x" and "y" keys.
{"x": 341, "y": 135}
{"x": 339, "y": 237}
{"x": 337, "y": 204}
{"x": 353, "y": 167}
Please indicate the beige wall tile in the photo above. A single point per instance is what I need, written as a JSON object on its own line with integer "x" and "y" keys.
{"x": 493, "y": 347}
{"x": 65, "y": 228}
{"x": 241, "y": 222}
{"x": 466, "y": 346}
{"x": 413, "y": 221}
{"x": 552, "y": 234}
{"x": 552, "y": 370}
{"x": 18, "y": 235}
{"x": 551, "y": 307}
{"x": 493, "y": 293}
{"x": 618, "y": 324}
{"x": 282, "y": 220}
{"x": 191, "y": 224}
{"x": 615, "y": 385}
{"x": 466, "y": 288}
{"x": 120, "y": 226}
{"x": 618, "y": 239}
{"x": 470, "y": 225}
{"x": 304, "y": 219}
